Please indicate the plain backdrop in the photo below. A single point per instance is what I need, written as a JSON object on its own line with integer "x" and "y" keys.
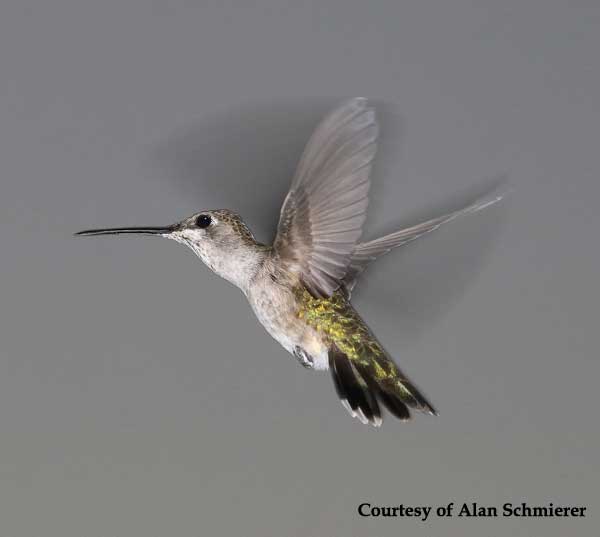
{"x": 138, "y": 394}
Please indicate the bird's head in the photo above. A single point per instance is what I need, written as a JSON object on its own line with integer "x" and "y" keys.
{"x": 219, "y": 237}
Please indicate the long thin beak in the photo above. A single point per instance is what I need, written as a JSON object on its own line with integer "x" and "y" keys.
{"x": 123, "y": 230}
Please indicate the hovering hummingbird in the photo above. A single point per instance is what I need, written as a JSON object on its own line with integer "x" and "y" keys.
{"x": 300, "y": 286}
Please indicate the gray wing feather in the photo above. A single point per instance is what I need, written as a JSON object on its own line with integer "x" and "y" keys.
{"x": 322, "y": 216}
{"x": 366, "y": 252}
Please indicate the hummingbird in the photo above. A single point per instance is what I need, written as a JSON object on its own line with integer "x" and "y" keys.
{"x": 300, "y": 286}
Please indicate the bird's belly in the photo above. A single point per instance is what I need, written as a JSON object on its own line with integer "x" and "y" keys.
{"x": 277, "y": 312}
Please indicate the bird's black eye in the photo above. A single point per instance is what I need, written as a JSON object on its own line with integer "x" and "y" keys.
{"x": 203, "y": 221}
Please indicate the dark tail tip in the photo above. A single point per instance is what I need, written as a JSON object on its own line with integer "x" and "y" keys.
{"x": 352, "y": 390}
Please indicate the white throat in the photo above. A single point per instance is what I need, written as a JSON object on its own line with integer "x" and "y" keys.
{"x": 237, "y": 264}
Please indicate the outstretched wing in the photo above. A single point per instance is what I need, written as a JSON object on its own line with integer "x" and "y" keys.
{"x": 366, "y": 252}
{"x": 322, "y": 216}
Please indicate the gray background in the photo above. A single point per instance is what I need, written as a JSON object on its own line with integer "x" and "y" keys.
{"x": 139, "y": 396}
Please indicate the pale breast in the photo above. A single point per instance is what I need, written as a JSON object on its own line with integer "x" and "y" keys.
{"x": 276, "y": 308}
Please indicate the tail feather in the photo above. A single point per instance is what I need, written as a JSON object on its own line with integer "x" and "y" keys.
{"x": 403, "y": 390}
{"x": 394, "y": 405}
{"x": 361, "y": 384}
{"x": 353, "y": 390}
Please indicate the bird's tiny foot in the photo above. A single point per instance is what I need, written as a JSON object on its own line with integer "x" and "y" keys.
{"x": 305, "y": 359}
